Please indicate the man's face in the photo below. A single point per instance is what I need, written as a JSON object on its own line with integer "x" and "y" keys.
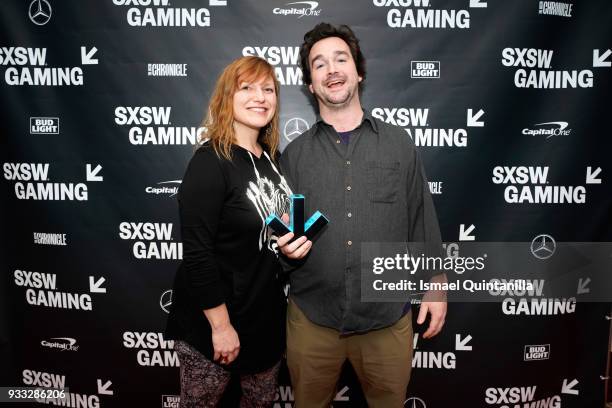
{"x": 333, "y": 73}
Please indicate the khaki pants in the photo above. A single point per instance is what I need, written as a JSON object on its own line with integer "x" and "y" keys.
{"x": 382, "y": 360}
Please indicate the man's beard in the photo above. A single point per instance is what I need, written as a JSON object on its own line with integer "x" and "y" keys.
{"x": 336, "y": 101}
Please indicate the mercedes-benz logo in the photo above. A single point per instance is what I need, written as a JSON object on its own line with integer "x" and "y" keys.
{"x": 414, "y": 402}
{"x": 165, "y": 301}
{"x": 543, "y": 246}
{"x": 294, "y": 127}
{"x": 40, "y": 12}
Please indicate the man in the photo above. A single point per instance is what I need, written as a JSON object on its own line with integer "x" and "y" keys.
{"x": 367, "y": 178}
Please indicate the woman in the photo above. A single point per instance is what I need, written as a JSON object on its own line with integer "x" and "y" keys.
{"x": 228, "y": 306}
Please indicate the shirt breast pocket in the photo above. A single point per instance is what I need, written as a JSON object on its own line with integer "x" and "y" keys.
{"x": 382, "y": 178}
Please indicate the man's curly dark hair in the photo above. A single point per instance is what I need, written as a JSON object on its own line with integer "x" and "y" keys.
{"x": 325, "y": 30}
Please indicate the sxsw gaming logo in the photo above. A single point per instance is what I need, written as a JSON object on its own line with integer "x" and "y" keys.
{"x": 40, "y": 12}
{"x": 294, "y": 127}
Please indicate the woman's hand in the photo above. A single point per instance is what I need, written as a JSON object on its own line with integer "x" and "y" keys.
{"x": 225, "y": 344}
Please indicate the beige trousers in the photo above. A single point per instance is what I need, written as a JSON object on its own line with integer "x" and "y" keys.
{"x": 382, "y": 360}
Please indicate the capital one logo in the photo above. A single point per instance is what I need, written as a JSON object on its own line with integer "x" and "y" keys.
{"x": 40, "y": 12}
{"x": 543, "y": 246}
{"x": 414, "y": 402}
{"x": 548, "y": 129}
{"x": 61, "y": 343}
{"x": 294, "y": 127}
{"x": 297, "y": 8}
{"x": 165, "y": 301}
{"x": 164, "y": 189}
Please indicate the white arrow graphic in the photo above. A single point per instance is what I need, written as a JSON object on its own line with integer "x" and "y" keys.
{"x": 472, "y": 120}
{"x": 582, "y": 286}
{"x": 600, "y": 60}
{"x": 95, "y": 285}
{"x": 464, "y": 234}
{"x": 478, "y": 4}
{"x": 461, "y": 345}
{"x": 86, "y": 57}
{"x": 341, "y": 395}
{"x": 93, "y": 175}
{"x": 591, "y": 175}
{"x": 568, "y": 388}
{"x": 103, "y": 389}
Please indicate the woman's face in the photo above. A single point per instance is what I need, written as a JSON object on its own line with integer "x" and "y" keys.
{"x": 254, "y": 104}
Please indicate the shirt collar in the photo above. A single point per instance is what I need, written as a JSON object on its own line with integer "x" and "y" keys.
{"x": 366, "y": 117}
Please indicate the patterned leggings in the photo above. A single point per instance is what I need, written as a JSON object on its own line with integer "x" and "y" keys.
{"x": 203, "y": 382}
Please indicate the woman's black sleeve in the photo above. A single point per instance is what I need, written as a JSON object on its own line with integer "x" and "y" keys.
{"x": 201, "y": 198}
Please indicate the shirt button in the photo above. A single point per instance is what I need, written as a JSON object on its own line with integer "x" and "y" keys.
{"x": 348, "y": 188}
{"x": 349, "y": 215}
{"x": 348, "y": 162}
{"x": 349, "y": 243}
{"x": 338, "y": 141}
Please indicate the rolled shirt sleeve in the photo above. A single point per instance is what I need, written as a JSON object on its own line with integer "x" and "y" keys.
{"x": 424, "y": 228}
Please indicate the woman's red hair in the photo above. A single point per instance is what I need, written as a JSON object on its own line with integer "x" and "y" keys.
{"x": 219, "y": 120}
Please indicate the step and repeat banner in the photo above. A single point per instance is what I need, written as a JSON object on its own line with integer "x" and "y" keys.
{"x": 508, "y": 102}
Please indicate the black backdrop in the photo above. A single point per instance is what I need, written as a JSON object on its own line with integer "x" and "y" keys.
{"x": 91, "y": 162}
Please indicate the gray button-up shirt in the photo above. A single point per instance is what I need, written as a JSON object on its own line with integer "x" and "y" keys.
{"x": 372, "y": 189}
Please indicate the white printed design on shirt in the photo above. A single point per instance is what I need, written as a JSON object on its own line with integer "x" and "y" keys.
{"x": 269, "y": 198}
